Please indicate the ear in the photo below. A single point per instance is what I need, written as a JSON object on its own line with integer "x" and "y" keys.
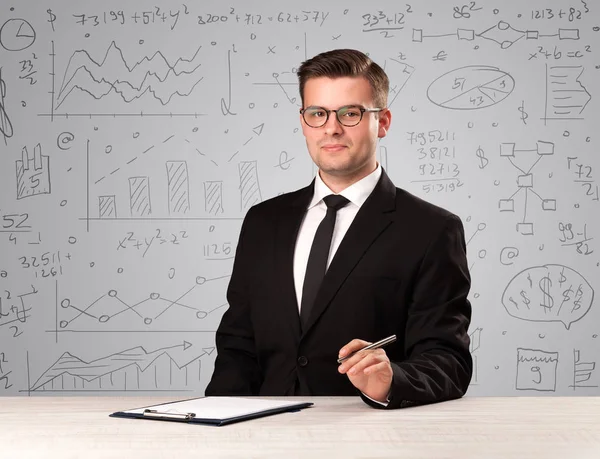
{"x": 385, "y": 120}
{"x": 302, "y": 124}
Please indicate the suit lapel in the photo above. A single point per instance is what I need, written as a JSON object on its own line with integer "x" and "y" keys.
{"x": 288, "y": 225}
{"x": 371, "y": 220}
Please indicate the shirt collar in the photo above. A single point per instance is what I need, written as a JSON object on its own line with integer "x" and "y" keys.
{"x": 357, "y": 193}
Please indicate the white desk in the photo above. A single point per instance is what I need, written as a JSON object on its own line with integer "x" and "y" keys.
{"x": 336, "y": 427}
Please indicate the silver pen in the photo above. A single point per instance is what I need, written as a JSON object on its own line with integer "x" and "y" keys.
{"x": 376, "y": 345}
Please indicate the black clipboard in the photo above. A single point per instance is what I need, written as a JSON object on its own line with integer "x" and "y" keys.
{"x": 215, "y": 411}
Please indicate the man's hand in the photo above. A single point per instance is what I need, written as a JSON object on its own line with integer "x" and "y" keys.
{"x": 369, "y": 371}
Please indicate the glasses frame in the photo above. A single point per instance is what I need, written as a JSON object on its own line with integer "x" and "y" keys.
{"x": 363, "y": 110}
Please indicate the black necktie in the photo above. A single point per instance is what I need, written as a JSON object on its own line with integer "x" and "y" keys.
{"x": 319, "y": 253}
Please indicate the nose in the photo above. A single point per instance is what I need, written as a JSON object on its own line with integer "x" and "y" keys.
{"x": 333, "y": 126}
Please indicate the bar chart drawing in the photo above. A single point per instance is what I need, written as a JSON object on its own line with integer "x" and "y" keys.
{"x": 139, "y": 197}
{"x": 249, "y": 185}
{"x": 107, "y": 206}
{"x": 213, "y": 197}
{"x": 179, "y": 190}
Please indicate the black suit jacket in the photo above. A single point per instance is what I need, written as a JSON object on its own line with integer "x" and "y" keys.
{"x": 400, "y": 269}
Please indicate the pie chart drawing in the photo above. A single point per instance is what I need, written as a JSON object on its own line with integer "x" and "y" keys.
{"x": 16, "y": 35}
{"x": 471, "y": 88}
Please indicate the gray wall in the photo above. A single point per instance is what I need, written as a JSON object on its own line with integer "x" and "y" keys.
{"x": 134, "y": 138}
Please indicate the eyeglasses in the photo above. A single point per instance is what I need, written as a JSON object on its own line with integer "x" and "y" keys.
{"x": 348, "y": 115}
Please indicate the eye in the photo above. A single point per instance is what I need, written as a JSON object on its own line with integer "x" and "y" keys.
{"x": 350, "y": 112}
{"x": 316, "y": 113}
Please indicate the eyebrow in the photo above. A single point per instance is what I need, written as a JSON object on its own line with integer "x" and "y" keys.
{"x": 343, "y": 105}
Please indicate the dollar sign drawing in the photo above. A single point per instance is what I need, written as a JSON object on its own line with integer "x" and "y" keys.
{"x": 52, "y": 18}
{"x": 525, "y": 299}
{"x": 562, "y": 277}
{"x": 577, "y": 302}
{"x": 567, "y": 294}
{"x": 524, "y": 114}
{"x": 547, "y": 300}
{"x": 483, "y": 160}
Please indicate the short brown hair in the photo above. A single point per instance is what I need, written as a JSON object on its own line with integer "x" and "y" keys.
{"x": 346, "y": 63}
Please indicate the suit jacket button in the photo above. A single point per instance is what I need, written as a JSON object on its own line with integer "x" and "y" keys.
{"x": 302, "y": 361}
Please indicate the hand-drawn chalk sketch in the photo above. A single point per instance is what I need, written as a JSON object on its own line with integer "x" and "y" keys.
{"x": 16, "y": 35}
{"x": 33, "y": 174}
{"x": 582, "y": 372}
{"x": 154, "y": 76}
{"x": 64, "y": 140}
{"x": 249, "y": 185}
{"x": 525, "y": 181}
{"x": 134, "y": 140}
{"x": 566, "y": 96}
{"x": 177, "y": 367}
{"x": 213, "y": 197}
{"x": 474, "y": 346}
{"x": 398, "y": 73}
{"x": 179, "y": 190}
{"x": 536, "y": 370}
{"x": 549, "y": 293}
{"x": 112, "y": 312}
{"x": 15, "y": 309}
{"x": 471, "y": 88}
{"x": 501, "y": 33}
{"x": 6, "y": 128}
{"x": 507, "y": 254}
{"x": 139, "y": 197}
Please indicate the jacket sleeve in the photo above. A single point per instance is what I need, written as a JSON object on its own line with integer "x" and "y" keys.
{"x": 237, "y": 371}
{"x": 438, "y": 365}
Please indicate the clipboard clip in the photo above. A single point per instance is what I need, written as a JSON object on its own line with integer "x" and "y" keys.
{"x": 165, "y": 415}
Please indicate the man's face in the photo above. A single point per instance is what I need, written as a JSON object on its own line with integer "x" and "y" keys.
{"x": 343, "y": 153}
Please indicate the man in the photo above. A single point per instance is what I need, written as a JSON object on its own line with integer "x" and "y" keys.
{"x": 395, "y": 264}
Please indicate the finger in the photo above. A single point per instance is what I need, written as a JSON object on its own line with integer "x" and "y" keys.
{"x": 379, "y": 367}
{"x": 356, "y": 358}
{"x": 367, "y": 360}
{"x": 352, "y": 346}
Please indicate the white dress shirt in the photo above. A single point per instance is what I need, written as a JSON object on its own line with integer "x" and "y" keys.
{"x": 357, "y": 194}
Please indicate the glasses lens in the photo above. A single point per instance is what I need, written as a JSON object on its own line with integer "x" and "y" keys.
{"x": 315, "y": 116}
{"x": 349, "y": 116}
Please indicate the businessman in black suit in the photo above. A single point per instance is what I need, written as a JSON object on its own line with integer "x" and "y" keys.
{"x": 348, "y": 260}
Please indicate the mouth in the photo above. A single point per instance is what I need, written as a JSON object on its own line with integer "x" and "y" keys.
{"x": 333, "y": 147}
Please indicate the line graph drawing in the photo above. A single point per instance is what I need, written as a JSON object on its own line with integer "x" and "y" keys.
{"x": 177, "y": 367}
{"x": 525, "y": 182}
{"x": 111, "y": 310}
{"x": 501, "y": 33}
{"x": 153, "y": 76}
{"x": 566, "y": 96}
{"x": 471, "y": 88}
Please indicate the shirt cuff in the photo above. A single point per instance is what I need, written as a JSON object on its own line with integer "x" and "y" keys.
{"x": 386, "y": 403}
